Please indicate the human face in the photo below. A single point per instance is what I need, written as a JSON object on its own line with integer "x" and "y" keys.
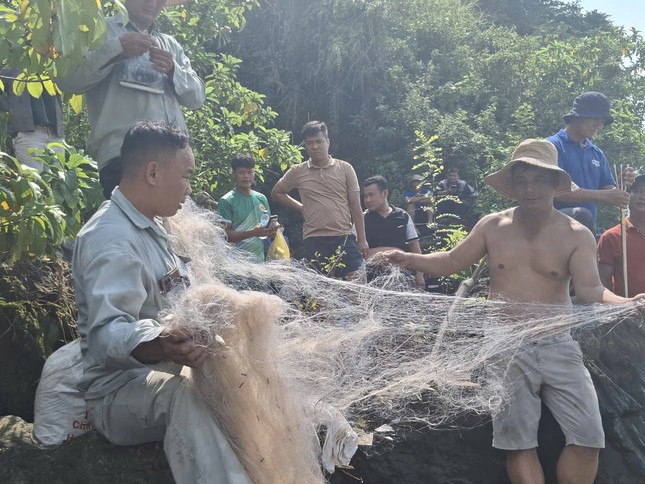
{"x": 317, "y": 147}
{"x": 533, "y": 186}
{"x": 174, "y": 181}
{"x": 244, "y": 178}
{"x": 453, "y": 178}
{"x": 637, "y": 200}
{"x": 375, "y": 199}
{"x": 587, "y": 128}
{"x": 143, "y": 13}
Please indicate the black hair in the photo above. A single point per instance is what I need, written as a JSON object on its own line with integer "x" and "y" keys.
{"x": 242, "y": 161}
{"x": 377, "y": 180}
{"x": 452, "y": 170}
{"x": 312, "y": 128}
{"x": 150, "y": 140}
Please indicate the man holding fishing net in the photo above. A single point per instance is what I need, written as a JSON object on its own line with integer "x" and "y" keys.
{"x": 125, "y": 272}
{"x": 534, "y": 253}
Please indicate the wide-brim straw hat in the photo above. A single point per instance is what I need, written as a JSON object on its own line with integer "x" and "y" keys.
{"x": 535, "y": 152}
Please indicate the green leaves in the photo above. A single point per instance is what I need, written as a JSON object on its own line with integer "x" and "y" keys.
{"x": 39, "y": 211}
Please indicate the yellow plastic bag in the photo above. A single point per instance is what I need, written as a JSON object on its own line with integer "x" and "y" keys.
{"x": 279, "y": 248}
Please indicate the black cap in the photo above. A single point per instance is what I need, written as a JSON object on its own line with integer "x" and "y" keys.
{"x": 639, "y": 180}
{"x": 590, "y": 105}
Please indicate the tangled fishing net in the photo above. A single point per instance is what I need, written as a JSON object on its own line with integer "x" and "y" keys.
{"x": 292, "y": 348}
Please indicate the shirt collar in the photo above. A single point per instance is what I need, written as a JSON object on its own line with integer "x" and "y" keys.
{"x": 332, "y": 162}
{"x": 565, "y": 137}
{"x": 137, "y": 218}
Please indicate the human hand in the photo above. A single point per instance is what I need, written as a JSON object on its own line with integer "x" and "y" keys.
{"x": 364, "y": 248}
{"x": 268, "y": 231}
{"x": 162, "y": 60}
{"x": 627, "y": 177}
{"x": 616, "y": 197}
{"x": 180, "y": 346}
{"x": 135, "y": 44}
{"x": 395, "y": 257}
{"x": 639, "y": 301}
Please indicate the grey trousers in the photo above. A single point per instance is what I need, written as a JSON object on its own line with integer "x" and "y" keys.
{"x": 164, "y": 406}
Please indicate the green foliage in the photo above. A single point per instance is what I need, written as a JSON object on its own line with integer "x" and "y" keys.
{"x": 428, "y": 156}
{"x": 328, "y": 265}
{"x": 48, "y": 35}
{"x": 73, "y": 180}
{"x": 39, "y": 211}
{"x": 481, "y": 76}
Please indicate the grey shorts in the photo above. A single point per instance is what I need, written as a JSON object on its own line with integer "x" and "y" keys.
{"x": 551, "y": 371}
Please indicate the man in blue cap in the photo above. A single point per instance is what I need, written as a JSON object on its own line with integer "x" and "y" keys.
{"x": 586, "y": 163}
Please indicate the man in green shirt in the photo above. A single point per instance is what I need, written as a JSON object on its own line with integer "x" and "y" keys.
{"x": 243, "y": 207}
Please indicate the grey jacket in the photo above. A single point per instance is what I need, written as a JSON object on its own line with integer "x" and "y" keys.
{"x": 20, "y": 106}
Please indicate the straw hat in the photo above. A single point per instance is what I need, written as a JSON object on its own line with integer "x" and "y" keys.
{"x": 536, "y": 152}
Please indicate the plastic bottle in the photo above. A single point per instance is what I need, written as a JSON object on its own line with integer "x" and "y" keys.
{"x": 264, "y": 219}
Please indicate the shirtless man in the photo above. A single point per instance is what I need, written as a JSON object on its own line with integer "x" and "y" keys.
{"x": 534, "y": 252}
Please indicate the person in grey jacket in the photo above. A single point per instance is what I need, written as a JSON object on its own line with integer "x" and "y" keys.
{"x": 125, "y": 272}
{"x": 35, "y": 122}
{"x": 138, "y": 73}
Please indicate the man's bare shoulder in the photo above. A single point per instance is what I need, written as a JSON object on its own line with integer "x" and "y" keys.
{"x": 572, "y": 227}
{"x": 494, "y": 221}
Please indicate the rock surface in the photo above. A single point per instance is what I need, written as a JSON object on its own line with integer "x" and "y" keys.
{"x": 614, "y": 358}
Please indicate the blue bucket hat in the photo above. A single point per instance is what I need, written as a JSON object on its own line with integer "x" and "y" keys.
{"x": 590, "y": 105}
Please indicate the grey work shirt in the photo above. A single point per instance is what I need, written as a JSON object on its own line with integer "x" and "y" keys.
{"x": 112, "y": 108}
{"x": 119, "y": 258}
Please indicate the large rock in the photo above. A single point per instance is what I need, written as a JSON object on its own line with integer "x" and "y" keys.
{"x": 87, "y": 459}
{"x": 37, "y": 316}
{"x": 614, "y": 357}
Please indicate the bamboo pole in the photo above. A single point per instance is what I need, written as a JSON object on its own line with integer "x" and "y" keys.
{"x": 624, "y": 213}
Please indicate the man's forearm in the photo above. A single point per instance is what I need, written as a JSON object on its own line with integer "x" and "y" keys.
{"x": 359, "y": 222}
{"x": 581, "y": 195}
{"x": 287, "y": 201}
{"x": 149, "y": 352}
{"x": 235, "y": 236}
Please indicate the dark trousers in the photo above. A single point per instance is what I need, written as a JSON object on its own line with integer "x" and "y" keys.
{"x": 110, "y": 176}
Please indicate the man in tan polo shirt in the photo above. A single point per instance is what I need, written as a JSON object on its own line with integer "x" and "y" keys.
{"x": 331, "y": 206}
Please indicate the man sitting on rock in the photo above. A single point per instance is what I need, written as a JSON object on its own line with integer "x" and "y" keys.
{"x": 534, "y": 252}
{"x": 124, "y": 270}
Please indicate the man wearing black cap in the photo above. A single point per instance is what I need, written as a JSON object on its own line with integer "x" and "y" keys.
{"x": 586, "y": 163}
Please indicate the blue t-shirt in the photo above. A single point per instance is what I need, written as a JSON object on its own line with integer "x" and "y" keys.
{"x": 587, "y": 165}
{"x": 410, "y": 194}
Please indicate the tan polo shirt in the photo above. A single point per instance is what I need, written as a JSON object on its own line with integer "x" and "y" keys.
{"x": 324, "y": 193}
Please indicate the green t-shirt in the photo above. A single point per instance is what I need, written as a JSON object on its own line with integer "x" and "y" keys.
{"x": 244, "y": 212}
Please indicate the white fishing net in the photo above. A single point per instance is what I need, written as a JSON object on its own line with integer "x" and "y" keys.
{"x": 378, "y": 353}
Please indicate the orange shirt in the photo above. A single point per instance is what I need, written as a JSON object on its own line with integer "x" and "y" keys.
{"x": 610, "y": 252}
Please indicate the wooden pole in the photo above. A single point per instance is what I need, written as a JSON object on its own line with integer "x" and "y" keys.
{"x": 623, "y": 231}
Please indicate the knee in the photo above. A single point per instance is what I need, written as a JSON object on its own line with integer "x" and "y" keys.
{"x": 587, "y": 454}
